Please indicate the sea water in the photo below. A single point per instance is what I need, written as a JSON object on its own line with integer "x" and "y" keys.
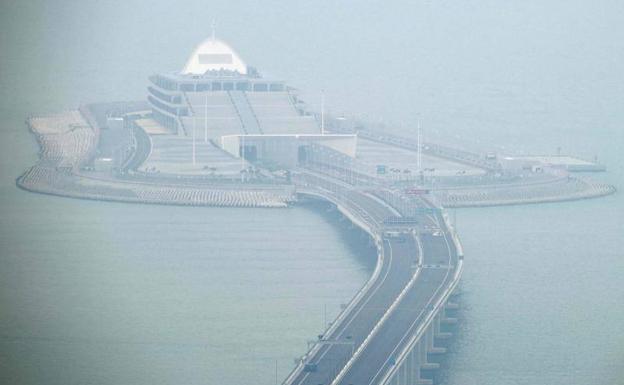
{"x": 108, "y": 293}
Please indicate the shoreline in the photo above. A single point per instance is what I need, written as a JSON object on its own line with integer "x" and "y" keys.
{"x": 68, "y": 140}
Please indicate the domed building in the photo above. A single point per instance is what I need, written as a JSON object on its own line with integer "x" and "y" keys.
{"x": 214, "y": 55}
{"x": 217, "y": 97}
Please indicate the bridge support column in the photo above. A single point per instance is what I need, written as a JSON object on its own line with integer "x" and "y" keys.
{"x": 403, "y": 375}
{"x": 410, "y": 371}
{"x": 445, "y": 318}
{"x": 408, "y": 377}
{"x": 423, "y": 348}
{"x": 449, "y": 320}
{"x": 414, "y": 365}
{"x": 431, "y": 348}
{"x": 437, "y": 327}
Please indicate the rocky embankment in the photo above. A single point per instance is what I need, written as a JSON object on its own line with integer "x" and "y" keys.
{"x": 68, "y": 143}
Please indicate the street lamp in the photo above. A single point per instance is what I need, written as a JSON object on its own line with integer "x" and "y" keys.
{"x": 193, "y": 150}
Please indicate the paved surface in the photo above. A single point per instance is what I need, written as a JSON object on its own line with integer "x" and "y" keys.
{"x": 374, "y": 153}
{"x": 436, "y": 274}
{"x": 174, "y": 155}
{"x": 428, "y": 259}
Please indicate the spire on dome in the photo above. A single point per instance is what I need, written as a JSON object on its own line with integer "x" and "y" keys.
{"x": 214, "y": 29}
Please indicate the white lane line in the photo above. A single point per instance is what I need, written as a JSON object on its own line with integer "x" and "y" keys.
{"x": 375, "y": 330}
{"x": 418, "y": 334}
{"x": 419, "y": 315}
{"x": 355, "y": 300}
{"x": 294, "y": 373}
{"x": 383, "y": 203}
{"x": 360, "y": 309}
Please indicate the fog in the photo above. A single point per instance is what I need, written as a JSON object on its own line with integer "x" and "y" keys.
{"x": 111, "y": 293}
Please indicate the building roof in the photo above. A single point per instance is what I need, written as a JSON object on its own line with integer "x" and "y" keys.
{"x": 213, "y": 55}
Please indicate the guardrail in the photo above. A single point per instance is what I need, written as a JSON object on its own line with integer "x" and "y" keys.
{"x": 351, "y": 211}
{"x": 439, "y": 306}
{"x": 337, "y": 192}
{"x": 375, "y": 330}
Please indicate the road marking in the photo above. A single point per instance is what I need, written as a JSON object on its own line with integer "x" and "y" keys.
{"x": 379, "y": 324}
{"x": 420, "y": 314}
{"x": 437, "y": 266}
{"x": 360, "y": 309}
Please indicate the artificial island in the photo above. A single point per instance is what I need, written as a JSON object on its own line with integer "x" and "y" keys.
{"x": 218, "y": 133}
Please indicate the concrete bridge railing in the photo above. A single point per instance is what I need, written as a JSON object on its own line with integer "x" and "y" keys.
{"x": 413, "y": 359}
{"x": 358, "y": 217}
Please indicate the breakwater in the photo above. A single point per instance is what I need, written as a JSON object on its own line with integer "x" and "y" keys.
{"x": 68, "y": 143}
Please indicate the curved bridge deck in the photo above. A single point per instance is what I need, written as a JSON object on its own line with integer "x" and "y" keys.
{"x": 418, "y": 267}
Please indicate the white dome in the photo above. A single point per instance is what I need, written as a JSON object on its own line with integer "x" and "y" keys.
{"x": 213, "y": 55}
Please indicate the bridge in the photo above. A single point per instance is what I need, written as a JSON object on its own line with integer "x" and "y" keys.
{"x": 390, "y": 329}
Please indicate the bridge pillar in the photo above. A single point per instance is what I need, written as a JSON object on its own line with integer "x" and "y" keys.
{"x": 431, "y": 348}
{"x": 445, "y": 318}
{"x": 423, "y": 348}
{"x": 403, "y": 373}
{"x": 449, "y": 320}
{"x": 407, "y": 374}
{"x": 414, "y": 365}
{"x": 398, "y": 376}
{"x": 437, "y": 327}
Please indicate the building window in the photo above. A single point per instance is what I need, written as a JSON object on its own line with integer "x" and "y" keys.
{"x": 158, "y": 104}
{"x": 187, "y": 87}
{"x": 276, "y": 87}
{"x": 242, "y": 86}
{"x": 216, "y": 86}
{"x": 202, "y": 87}
{"x": 228, "y": 86}
{"x": 260, "y": 87}
{"x": 160, "y": 95}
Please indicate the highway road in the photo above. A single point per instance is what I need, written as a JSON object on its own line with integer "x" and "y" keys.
{"x": 430, "y": 281}
{"x": 400, "y": 256}
{"x": 414, "y": 272}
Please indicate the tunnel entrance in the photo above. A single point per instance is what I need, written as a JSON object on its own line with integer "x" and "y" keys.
{"x": 249, "y": 153}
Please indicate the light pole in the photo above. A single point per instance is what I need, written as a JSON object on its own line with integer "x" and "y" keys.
{"x": 206, "y": 120}
{"x": 194, "y": 120}
{"x": 242, "y": 155}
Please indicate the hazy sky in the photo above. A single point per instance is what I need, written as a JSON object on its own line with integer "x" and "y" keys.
{"x": 532, "y": 75}
{"x": 503, "y": 66}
